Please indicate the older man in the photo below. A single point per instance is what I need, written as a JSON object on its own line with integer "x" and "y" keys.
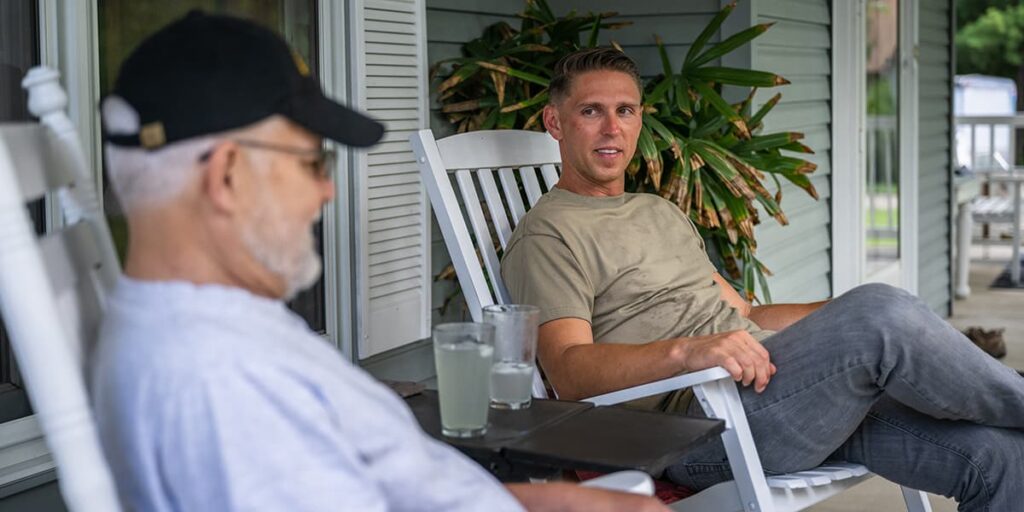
{"x": 210, "y": 394}
{"x": 628, "y": 295}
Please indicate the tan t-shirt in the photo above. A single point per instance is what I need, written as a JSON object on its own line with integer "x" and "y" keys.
{"x": 633, "y": 266}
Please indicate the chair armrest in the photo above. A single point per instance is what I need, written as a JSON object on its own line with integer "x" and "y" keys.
{"x": 660, "y": 386}
{"x": 635, "y": 482}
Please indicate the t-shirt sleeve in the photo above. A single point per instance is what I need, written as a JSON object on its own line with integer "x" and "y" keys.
{"x": 542, "y": 271}
{"x": 691, "y": 230}
{"x": 242, "y": 441}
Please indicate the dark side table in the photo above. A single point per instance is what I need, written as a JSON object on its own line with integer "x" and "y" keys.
{"x": 555, "y": 435}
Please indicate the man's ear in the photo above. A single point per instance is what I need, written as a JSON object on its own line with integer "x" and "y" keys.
{"x": 221, "y": 177}
{"x": 551, "y": 121}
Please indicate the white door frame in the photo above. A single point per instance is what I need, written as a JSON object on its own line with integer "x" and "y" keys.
{"x": 849, "y": 161}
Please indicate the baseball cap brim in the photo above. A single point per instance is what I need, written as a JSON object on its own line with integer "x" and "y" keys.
{"x": 327, "y": 118}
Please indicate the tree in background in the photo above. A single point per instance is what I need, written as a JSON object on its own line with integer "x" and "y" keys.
{"x": 990, "y": 40}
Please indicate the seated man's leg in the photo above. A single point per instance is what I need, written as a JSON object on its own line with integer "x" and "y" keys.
{"x": 977, "y": 465}
{"x": 833, "y": 367}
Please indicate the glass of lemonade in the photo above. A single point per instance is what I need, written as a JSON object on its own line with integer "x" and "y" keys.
{"x": 515, "y": 347}
{"x": 463, "y": 353}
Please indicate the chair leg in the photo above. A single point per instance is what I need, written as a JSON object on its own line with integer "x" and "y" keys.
{"x": 917, "y": 501}
{"x": 721, "y": 400}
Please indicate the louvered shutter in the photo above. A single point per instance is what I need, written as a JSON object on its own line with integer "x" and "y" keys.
{"x": 392, "y": 232}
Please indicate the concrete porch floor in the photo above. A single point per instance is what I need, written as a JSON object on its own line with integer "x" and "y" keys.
{"x": 986, "y": 307}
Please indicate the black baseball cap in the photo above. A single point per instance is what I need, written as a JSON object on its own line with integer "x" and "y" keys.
{"x": 206, "y": 74}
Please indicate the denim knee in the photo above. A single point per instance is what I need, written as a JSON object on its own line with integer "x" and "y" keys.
{"x": 879, "y": 306}
{"x": 876, "y": 294}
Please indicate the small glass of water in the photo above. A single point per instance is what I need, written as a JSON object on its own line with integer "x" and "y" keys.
{"x": 515, "y": 348}
{"x": 463, "y": 353}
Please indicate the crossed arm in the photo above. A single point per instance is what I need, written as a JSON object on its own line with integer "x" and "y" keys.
{"x": 579, "y": 368}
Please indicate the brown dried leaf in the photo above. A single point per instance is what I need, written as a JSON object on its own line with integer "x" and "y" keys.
{"x": 533, "y": 119}
{"x": 494, "y": 67}
{"x": 696, "y": 162}
{"x": 654, "y": 172}
{"x": 747, "y": 228}
{"x": 446, "y": 274}
{"x": 461, "y": 106}
{"x": 671, "y": 187}
{"x": 677, "y": 152}
{"x": 633, "y": 167}
{"x": 499, "y": 80}
{"x": 741, "y": 129}
{"x": 728, "y": 224}
{"x": 711, "y": 217}
{"x": 807, "y": 168}
{"x": 452, "y": 81}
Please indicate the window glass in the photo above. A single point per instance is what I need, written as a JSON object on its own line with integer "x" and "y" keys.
{"x": 123, "y": 24}
{"x": 882, "y": 215}
{"x": 19, "y": 51}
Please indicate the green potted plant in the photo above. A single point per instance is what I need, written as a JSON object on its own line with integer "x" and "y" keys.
{"x": 697, "y": 150}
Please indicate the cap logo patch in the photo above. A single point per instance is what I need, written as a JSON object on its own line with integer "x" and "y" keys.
{"x": 300, "y": 64}
{"x": 152, "y": 135}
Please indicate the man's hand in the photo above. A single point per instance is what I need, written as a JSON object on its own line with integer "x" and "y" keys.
{"x": 736, "y": 351}
{"x": 564, "y": 497}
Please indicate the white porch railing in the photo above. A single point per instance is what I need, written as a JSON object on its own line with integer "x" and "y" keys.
{"x": 883, "y": 199}
{"x": 987, "y": 146}
{"x": 987, "y": 143}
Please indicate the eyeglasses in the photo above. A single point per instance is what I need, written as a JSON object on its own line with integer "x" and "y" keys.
{"x": 320, "y": 163}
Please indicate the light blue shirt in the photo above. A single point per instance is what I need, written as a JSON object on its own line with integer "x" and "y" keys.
{"x": 212, "y": 398}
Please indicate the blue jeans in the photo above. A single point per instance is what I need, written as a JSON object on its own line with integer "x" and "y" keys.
{"x": 876, "y": 378}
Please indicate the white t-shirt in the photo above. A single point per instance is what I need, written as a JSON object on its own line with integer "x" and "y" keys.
{"x": 212, "y": 398}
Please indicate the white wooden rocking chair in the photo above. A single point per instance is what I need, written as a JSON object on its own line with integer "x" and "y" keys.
{"x": 52, "y": 288}
{"x": 479, "y": 161}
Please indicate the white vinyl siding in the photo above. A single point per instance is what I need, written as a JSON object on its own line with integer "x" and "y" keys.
{"x": 677, "y": 23}
{"x": 392, "y": 227}
{"x": 798, "y": 48}
{"x": 935, "y": 43}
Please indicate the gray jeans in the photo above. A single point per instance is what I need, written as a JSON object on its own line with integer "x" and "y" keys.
{"x": 876, "y": 378}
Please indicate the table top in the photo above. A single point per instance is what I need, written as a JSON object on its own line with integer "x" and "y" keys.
{"x": 557, "y": 434}
{"x": 1017, "y": 177}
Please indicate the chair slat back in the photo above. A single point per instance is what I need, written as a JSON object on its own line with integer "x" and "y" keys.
{"x": 472, "y": 159}
{"x": 37, "y": 171}
{"x": 72, "y": 257}
{"x": 52, "y": 289}
{"x": 481, "y": 233}
{"x": 530, "y": 184}
{"x": 495, "y": 206}
{"x": 550, "y": 175}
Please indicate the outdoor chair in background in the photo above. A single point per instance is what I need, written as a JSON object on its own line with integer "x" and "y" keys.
{"x": 526, "y": 164}
{"x": 987, "y": 149}
{"x": 53, "y": 288}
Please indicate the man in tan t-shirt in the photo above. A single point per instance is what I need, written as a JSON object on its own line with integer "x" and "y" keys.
{"x": 629, "y": 296}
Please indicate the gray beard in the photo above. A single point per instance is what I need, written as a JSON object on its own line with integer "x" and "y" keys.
{"x": 283, "y": 250}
